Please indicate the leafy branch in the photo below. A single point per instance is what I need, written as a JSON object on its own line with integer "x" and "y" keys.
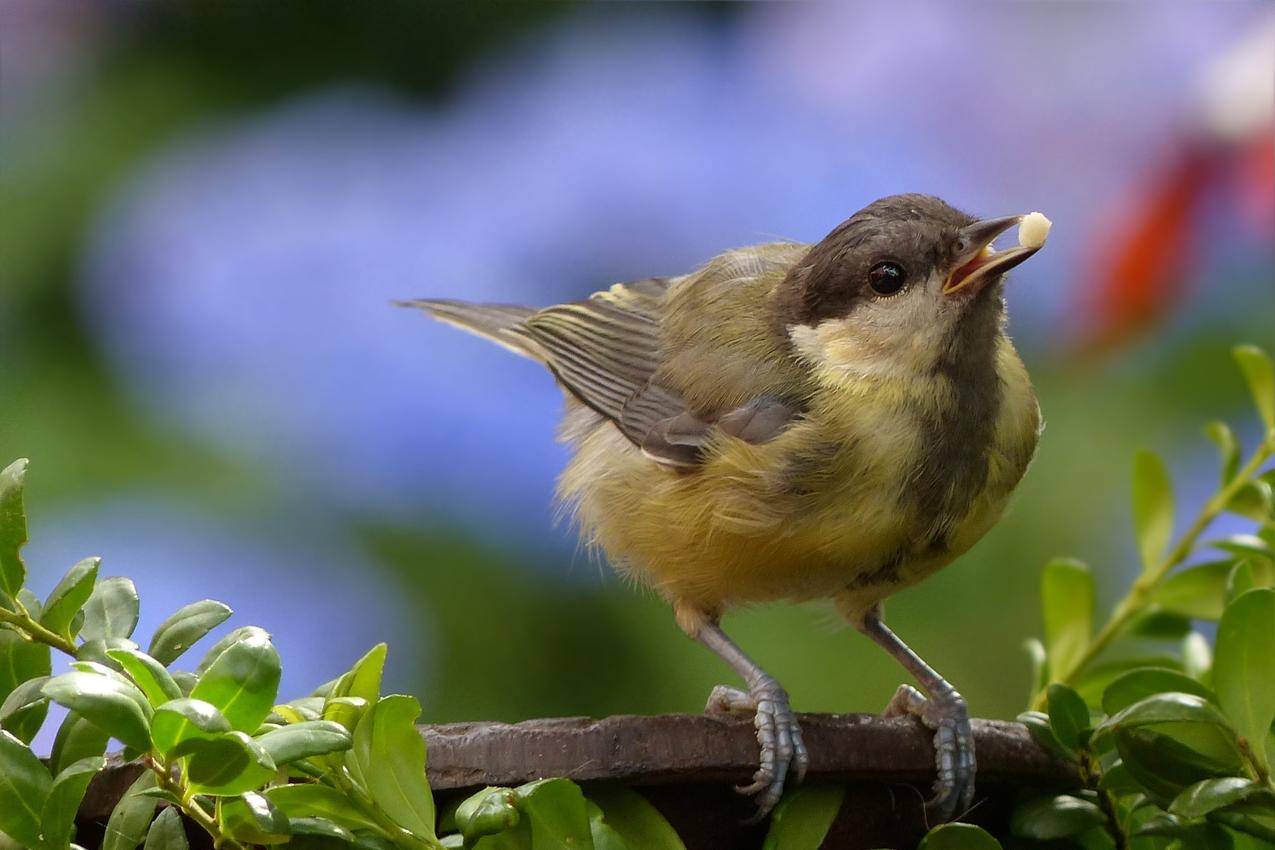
{"x": 1174, "y": 751}
{"x": 342, "y": 767}
{"x": 1151, "y": 486}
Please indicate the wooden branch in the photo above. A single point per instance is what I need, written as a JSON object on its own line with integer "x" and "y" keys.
{"x": 687, "y": 764}
{"x": 678, "y": 748}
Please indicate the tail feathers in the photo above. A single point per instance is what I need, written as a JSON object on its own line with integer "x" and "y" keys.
{"x": 500, "y": 323}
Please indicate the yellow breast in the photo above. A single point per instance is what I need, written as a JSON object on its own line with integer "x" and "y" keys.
{"x": 854, "y": 498}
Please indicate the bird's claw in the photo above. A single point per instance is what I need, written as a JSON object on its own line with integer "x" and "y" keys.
{"x": 953, "y": 746}
{"x": 778, "y": 735}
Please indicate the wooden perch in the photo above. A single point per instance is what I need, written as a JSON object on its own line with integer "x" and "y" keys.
{"x": 686, "y": 765}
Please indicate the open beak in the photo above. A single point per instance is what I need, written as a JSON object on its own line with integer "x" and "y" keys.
{"x": 977, "y": 262}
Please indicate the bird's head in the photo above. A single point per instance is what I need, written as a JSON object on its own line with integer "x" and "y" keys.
{"x": 905, "y": 285}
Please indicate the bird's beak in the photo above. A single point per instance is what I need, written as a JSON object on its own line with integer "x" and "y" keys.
{"x": 977, "y": 262}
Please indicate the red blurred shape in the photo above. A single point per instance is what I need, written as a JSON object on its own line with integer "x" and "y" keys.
{"x": 1138, "y": 272}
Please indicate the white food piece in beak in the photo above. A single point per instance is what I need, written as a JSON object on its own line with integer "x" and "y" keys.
{"x": 1033, "y": 230}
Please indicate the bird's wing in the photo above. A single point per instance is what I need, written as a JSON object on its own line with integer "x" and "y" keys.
{"x": 683, "y": 439}
{"x": 607, "y": 351}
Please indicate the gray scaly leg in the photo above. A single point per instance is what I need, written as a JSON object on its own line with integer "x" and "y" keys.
{"x": 777, "y": 731}
{"x": 943, "y": 710}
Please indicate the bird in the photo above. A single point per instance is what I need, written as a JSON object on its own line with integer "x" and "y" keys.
{"x": 794, "y": 422}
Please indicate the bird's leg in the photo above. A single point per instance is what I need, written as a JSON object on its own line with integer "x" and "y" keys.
{"x": 778, "y": 734}
{"x": 942, "y": 709}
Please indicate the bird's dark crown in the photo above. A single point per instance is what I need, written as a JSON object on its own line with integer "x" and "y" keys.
{"x": 914, "y": 231}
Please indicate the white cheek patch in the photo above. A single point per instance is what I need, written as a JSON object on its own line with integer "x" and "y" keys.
{"x": 846, "y": 348}
{"x": 889, "y": 340}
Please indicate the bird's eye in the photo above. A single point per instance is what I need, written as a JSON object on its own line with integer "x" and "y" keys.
{"x": 887, "y": 278}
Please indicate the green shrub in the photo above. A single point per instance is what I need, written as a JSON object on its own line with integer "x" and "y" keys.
{"x": 1174, "y": 749}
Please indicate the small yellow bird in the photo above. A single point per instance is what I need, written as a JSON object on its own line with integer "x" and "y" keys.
{"x": 792, "y": 421}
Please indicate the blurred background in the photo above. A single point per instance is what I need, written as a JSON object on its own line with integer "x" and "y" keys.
{"x": 206, "y": 208}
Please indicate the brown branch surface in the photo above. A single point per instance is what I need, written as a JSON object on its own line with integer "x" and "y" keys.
{"x": 675, "y": 748}
{"x": 686, "y": 764}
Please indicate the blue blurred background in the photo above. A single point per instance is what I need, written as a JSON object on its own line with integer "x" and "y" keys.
{"x": 208, "y": 206}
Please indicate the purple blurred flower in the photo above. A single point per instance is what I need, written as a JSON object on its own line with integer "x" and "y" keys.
{"x": 312, "y": 592}
{"x": 240, "y": 282}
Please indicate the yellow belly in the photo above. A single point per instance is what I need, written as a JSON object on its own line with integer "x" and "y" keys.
{"x": 814, "y": 513}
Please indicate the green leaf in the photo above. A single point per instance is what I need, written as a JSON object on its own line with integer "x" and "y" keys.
{"x": 31, "y": 602}
{"x": 303, "y": 740}
{"x": 252, "y": 819}
{"x": 1246, "y": 546}
{"x": 1143, "y": 682}
{"x": 1040, "y": 666}
{"x": 167, "y": 832}
{"x": 347, "y": 711}
{"x": 148, "y": 674}
{"x": 1068, "y": 715}
{"x": 13, "y": 529}
{"x": 178, "y": 722}
{"x": 186, "y": 681}
{"x": 105, "y": 702}
{"x": 24, "y": 786}
{"x": 1037, "y": 723}
{"x": 306, "y": 708}
{"x": 487, "y": 812}
{"x": 230, "y": 764}
{"x": 185, "y": 628}
{"x": 319, "y": 801}
{"x": 1228, "y": 448}
{"x": 23, "y": 710}
{"x": 1244, "y": 668}
{"x": 370, "y": 841}
{"x": 58, "y": 817}
{"x": 1197, "y": 657}
{"x": 634, "y": 819}
{"x": 243, "y": 681}
{"x": 320, "y": 828}
{"x": 1242, "y": 579}
{"x": 225, "y": 642}
{"x": 557, "y": 813}
{"x": 70, "y": 595}
{"x": 604, "y": 837}
{"x": 1117, "y": 780}
{"x": 1157, "y": 624}
{"x": 1048, "y": 818}
{"x": 95, "y": 650}
{"x": 959, "y": 836}
{"x": 364, "y": 679}
{"x": 21, "y": 662}
{"x": 76, "y": 739}
{"x": 1211, "y": 794}
{"x": 1260, "y": 374}
{"x": 1067, "y": 597}
{"x": 163, "y": 795}
{"x": 1253, "y": 500}
{"x": 1169, "y": 741}
{"x": 132, "y": 816}
{"x": 1198, "y": 592}
{"x": 1264, "y": 831}
{"x": 1152, "y": 507}
{"x": 1161, "y": 708}
{"x": 111, "y": 610}
{"x": 1205, "y": 836}
{"x": 803, "y": 817}
{"x": 389, "y": 756}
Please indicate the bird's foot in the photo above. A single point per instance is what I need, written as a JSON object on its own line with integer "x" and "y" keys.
{"x": 953, "y": 746}
{"x": 782, "y": 749}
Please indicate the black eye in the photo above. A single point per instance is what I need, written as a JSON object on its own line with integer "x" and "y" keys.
{"x": 887, "y": 278}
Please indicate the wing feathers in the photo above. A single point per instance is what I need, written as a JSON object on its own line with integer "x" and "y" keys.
{"x": 606, "y": 351}
{"x": 498, "y": 322}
